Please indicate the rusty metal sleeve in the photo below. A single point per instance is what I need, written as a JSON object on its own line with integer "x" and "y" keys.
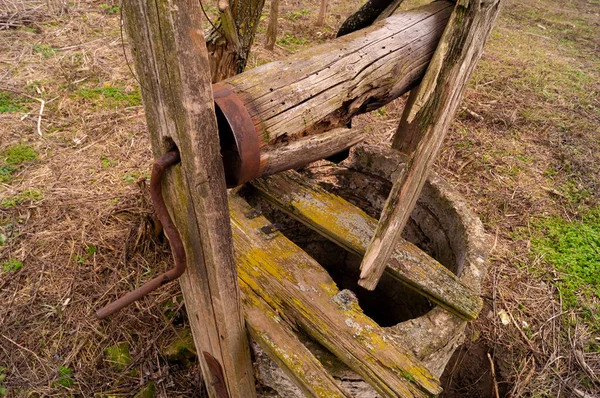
{"x": 168, "y": 159}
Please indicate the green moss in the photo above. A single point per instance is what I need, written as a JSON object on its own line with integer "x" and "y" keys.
{"x": 65, "y": 377}
{"x": 573, "y": 247}
{"x": 28, "y": 195}
{"x": 45, "y": 50}
{"x": 118, "y": 355}
{"x": 110, "y": 97}
{"x": 18, "y": 154}
{"x": 182, "y": 350}
{"x": 11, "y": 103}
{"x": 12, "y": 265}
{"x": 148, "y": 391}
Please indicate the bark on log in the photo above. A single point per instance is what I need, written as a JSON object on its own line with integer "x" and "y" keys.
{"x": 425, "y": 121}
{"x": 352, "y": 229}
{"x": 171, "y": 61}
{"x": 323, "y": 87}
{"x": 298, "y": 289}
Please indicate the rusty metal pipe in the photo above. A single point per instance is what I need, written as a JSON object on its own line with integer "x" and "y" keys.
{"x": 168, "y": 159}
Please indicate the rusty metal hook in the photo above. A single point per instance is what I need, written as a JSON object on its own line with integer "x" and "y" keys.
{"x": 168, "y": 159}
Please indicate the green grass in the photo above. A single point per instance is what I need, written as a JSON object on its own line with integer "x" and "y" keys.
{"x": 573, "y": 248}
{"x": 10, "y": 103}
{"x": 110, "y": 9}
{"x": 28, "y": 195}
{"x": 292, "y": 41}
{"x": 12, "y": 158}
{"x": 296, "y": 15}
{"x": 110, "y": 96}
{"x": 12, "y": 265}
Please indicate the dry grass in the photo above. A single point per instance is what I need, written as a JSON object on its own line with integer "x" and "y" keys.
{"x": 525, "y": 147}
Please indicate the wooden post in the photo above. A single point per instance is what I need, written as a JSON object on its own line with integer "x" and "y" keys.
{"x": 425, "y": 121}
{"x": 172, "y": 65}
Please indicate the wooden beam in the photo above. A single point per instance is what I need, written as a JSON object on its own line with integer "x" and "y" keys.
{"x": 276, "y": 336}
{"x": 323, "y": 87}
{"x": 171, "y": 61}
{"x": 352, "y": 229}
{"x": 299, "y": 290}
{"x": 425, "y": 121}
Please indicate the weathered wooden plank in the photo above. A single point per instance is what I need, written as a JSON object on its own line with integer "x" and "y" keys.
{"x": 172, "y": 65}
{"x": 299, "y": 289}
{"x": 275, "y": 335}
{"x": 352, "y": 229}
{"x": 321, "y": 88}
{"x": 295, "y": 154}
{"x": 425, "y": 121}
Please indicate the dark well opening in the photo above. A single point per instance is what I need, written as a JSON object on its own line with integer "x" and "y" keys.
{"x": 391, "y": 302}
{"x": 229, "y": 150}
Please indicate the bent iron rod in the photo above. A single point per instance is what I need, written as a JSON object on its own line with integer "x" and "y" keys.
{"x": 168, "y": 159}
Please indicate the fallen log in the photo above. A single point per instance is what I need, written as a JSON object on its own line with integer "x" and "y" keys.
{"x": 322, "y": 88}
{"x": 352, "y": 229}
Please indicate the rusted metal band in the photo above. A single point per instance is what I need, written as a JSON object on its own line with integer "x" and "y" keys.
{"x": 168, "y": 159}
{"x": 240, "y": 147}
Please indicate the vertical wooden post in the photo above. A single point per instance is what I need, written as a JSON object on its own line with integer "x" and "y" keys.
{"x": 172, "y": 65}
{"x": 425, "y": 121}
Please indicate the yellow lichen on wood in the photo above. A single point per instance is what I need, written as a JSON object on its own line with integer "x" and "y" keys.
{"x": 277, "y": 338}
{"x": 351, "y": 228}
{"x": 301, "y": 292}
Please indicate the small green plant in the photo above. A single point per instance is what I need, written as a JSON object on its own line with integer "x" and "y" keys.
{"x": 110, "y": 9}
{"x": 28, "y": 195}
{"x": 65, "y": 377}
{"x": 12, "y": 265}
{"x": 573, "y": 247}
{"x": 296, "y": 15}
{"x": 381, "y": 111}
{"x": 10, "y": 103}
{"x": 107, "y": 161}
{"x": 45, "y": 50}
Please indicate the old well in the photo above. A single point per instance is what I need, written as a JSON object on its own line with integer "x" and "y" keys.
{"x": 442, "y": 225}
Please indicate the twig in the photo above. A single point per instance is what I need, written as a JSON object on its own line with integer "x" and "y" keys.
{"x": 28, "y": 350}
{"x": 39, "y": 122}
{"x": 496, "y": 393}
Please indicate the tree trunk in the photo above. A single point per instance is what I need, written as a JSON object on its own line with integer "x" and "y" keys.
{"x": 322, "y": 13}
{"x": 272, "y": 28}
{"x": 425, "y": 121}
{"x": 229, "y": 44}
{"x": 171, "y": 61}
